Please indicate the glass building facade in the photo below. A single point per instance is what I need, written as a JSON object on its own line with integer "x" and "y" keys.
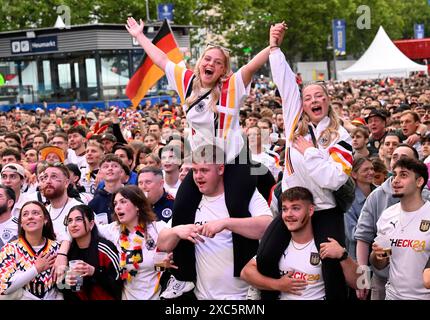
{"x": 83, "y": 63}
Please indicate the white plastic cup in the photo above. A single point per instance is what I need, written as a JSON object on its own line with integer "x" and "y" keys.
{"x": 159, "y": 261}
{"x": 385, "y": 243}
{"x": 79, "y": 278}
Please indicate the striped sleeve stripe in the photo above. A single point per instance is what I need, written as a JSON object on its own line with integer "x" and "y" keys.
{"x": 288, "y": 163}
{"x": 345, "y": 145}
{"x": 346, "y": 167}
{"x": 228, "y": 124}
{"x": 188, "y": 81}
{"x": 231, "y": 102}
{"x": 271, "y": 195}
{"x": 222, "y": 102}
{"x": 157, "y": 285}
{"x": 221, "y": 125}
{"x": 178, "y": 80}
{"x": 345, "y": 154}
{"x": 224, "y": 92}
{"x": 341, "y": 152}
{"x": 109, "y": 252}
{"x": 293, "y": 127}
{"x": 112, "y": 256}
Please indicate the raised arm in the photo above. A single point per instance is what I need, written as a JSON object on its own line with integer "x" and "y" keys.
{"x": 276, "y": 35}
{"x": 252, "y": 66}
{"x": 285, "y": 81}
{"x": 136, "y": 30}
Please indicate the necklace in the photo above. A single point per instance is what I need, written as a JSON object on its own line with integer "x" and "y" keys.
{"x": 307, "y": 244}
{"x": 53, "y": 219}
{"x": 403, "y": 227}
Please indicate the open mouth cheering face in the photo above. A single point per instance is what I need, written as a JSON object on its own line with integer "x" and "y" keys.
{"x": 212, "y": 67}
{"x": 315, "y": 103}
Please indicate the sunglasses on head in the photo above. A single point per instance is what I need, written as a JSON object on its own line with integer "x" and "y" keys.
{"x": 60, "y": 165}
{"x": 217, "y": 46}
{"x": 53, "y": 164}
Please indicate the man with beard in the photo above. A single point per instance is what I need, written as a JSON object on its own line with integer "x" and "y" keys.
{"x": 53, "y": 182}
{"x": 403, "y": 234}
{"x": 8, "y": 223}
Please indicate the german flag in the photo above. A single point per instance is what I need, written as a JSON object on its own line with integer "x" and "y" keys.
{"x": 148, "y": 73}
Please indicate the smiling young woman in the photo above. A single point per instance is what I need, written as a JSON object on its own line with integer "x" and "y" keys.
{"x": 211, "y": 95}
{"x": 318, "y": 157}
{"x": 134, "y": 232}
{"x": 98, "y": 259}
{"x": 26, "y": 263}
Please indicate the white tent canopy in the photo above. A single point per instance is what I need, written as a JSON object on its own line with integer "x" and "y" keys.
{"x": 382, "y": 59}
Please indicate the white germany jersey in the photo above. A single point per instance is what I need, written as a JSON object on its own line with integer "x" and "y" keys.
{"x": 145, "y": 285}
{"x": 410, "y": 245}
{"x": 222, "y": 129}
{"x": 303, "y": 262}
{"x": 214, "y": 257}
{"x": 323, "y": 169}
{"x": 8, "y": 231}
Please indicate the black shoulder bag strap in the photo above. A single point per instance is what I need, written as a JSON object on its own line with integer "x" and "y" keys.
{"x": 198, "y": 100}
{"x": 314, "y": 140}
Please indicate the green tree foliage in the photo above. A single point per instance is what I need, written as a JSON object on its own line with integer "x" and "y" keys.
{"x": 243, "y": 23}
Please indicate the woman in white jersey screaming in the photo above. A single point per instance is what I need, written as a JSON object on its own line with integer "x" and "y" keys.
{"x": 318, "y": 156}
{"x": 211, "y": 97}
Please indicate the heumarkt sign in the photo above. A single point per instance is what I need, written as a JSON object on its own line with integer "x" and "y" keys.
{"x": 42, "y": 44}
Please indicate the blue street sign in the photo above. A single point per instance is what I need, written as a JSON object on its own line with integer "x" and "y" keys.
{"x": 40, "y": 44}
{"x": 418, "y": 31}
{"x": 339, "y": 36}
{"x": 165, "y": 11}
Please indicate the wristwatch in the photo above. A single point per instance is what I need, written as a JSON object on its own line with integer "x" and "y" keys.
{"x": 344, "y": 255}
{"x": 418, "y": 133}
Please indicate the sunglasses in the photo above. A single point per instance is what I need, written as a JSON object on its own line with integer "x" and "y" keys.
{"x": 59, "y": 165}
{"x": 217, "y": 46}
